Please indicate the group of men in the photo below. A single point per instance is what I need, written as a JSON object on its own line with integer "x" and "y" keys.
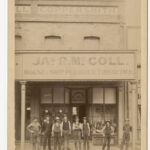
{"x": 62, "y": 129}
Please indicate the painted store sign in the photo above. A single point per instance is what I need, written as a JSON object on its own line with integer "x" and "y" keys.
{"x": 76, "y": 66}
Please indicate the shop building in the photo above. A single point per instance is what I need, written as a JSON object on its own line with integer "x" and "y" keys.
{"x": 79, "y": 56}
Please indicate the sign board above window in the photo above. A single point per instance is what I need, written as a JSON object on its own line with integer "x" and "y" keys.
{"x": 78, "y": 95}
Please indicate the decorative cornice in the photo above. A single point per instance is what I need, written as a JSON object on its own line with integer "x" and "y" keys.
{"x": 121, "y": 51}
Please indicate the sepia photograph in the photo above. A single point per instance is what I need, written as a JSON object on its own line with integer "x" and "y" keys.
{"x": 77, "y": 75}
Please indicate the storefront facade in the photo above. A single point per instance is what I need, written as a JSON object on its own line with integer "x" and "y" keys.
{"x": 80, "y": 57}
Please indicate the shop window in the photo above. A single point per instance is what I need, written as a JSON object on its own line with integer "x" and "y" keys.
{"x": 67, "y": 95}
{"x": 103, "y": 106}
{"x": 110, "y": 96}
{"x": 58, "y": 96}
{"x": 97, "y": 95}
{"x": 110, "y": 112}
{"x": 98, "y": 112}
{"x": 46, "y": 95}
{"x": 89, "y": 95}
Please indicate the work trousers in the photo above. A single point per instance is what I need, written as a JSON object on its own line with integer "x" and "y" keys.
{"x": 35, "y": 142}
{"x": 77, "y": 139}
{"x": 106, "y": 142}
{"x": 77, "y": 145}
{"x": 66, "y": 139}
{"x": 46, "y": 141}
{"x": 57, "y": 141}
{"x": 125, "y": 141}
{"x": 86, "y": 142}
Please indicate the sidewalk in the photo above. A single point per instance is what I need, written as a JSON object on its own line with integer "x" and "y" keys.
{"x": 28, "y": 146}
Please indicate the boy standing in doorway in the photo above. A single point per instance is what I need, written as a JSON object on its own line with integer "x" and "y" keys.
{"x": 85, "y": 133}
{"x": 76, "y": 127}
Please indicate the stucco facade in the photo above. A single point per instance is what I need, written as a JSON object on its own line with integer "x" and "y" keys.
{"x": 86, "y": 47}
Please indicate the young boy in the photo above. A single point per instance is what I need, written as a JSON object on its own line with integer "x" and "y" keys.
{"x": 76, "y": 127}
{"x": 85, "y": 133}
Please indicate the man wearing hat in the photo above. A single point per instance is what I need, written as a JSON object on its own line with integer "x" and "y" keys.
{"x": 76, "y": 127}
{"x": 57, "y": 133}
{"x": 46, "y": 132}
{"x": 60, "y": 114}
{"x": 85, "y": 133}
{"x": 108, "y": 132}
{"x": 126, "y": 135}
{"x": 66, "y": 128}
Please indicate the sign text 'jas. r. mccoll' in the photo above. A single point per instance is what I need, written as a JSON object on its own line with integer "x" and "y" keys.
{"x": 75, "y": 66}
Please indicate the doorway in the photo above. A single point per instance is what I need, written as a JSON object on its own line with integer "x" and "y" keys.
{"x": 80, "y": 111}
{"x": 78, "y": 100}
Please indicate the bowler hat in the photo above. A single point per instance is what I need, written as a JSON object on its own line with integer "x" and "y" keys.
{"x": 57, "y": 118}
{"x": 108, "y": 121}
{"x": 65, "y": 115}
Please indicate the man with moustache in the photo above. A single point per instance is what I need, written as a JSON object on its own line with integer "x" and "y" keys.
{"x": 46, "y": 131}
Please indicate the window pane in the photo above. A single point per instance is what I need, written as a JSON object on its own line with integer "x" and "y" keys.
{"x": 58, "y": 95}
{"x": 110, "y": 95}
{"x": 46, "y": 95}
{"x": 97, "y": 95}
{"x": 67, "y": 95}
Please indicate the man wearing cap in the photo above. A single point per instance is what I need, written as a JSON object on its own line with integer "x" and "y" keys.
{"x": 108, "y": 132}
{"x": 76, "y": 127}
{"x": 60, "y": 115}
{"x": 34, "y": 128}
{"x": 66, "y": 128}
{"x": 46, "y": 132}
{"x": 85, "y": 133}
{"x": 126, "y": 135}
{"x": 57, "y": 133}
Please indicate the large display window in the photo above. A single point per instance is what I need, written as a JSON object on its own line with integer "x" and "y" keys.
{"x": 103, "y": 106}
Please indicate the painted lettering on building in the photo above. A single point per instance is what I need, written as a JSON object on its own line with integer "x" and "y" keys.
{"x": 81, "y": 61}
{"x": 67, "y": 10}
{"x": 75, "y": 66}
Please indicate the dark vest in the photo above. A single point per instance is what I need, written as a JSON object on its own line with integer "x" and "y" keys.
{"x": 47, "y": 127}
{"x": 85, "y": 128}
{"x": 66, "y": 125}
{"x": 108, "y": 131}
